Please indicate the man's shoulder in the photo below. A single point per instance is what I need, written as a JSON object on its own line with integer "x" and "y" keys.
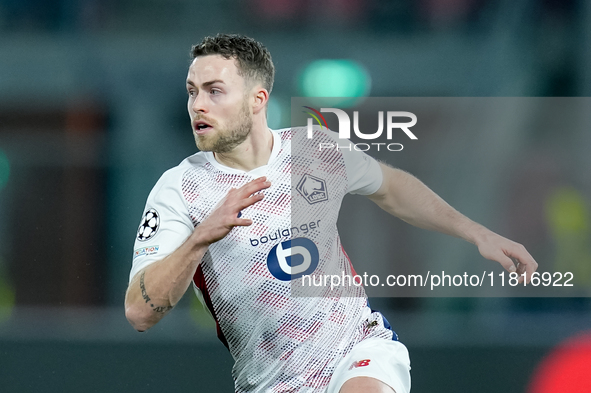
{"x": 193, "y": 161}
{"x": 175, "y": 174}
{"x": 284, "y": 133}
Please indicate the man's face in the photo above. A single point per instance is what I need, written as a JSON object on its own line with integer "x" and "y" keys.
{"x": 218, "y": 104}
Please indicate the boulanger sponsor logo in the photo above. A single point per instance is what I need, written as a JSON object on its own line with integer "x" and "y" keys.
{"x": 395, "y": 120}
{"x": 313, "y": 189}
{"x": 149, "y": 225}
{"x": 145, "y": 251}
{"x": 293, "y": 258}
{"x": 286, "y": 232}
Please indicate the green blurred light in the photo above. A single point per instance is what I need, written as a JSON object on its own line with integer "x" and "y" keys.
{"x": 566, "y": 211}
{"x": 334, "y": 78}
{"x": 7, "y": 295}
{"x": 200, "y": 315}
{"x": 4, "y": 169}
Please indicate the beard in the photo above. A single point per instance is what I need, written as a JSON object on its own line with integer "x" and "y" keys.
{"x": 224, "y": 140}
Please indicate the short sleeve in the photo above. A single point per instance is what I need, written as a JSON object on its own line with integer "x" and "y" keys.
{"x": 165, "y": 223}
{"x": 364, "y": 174}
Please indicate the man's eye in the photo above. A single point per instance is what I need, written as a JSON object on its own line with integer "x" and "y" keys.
{"x": 214, "y": 91}
{"x": 191, "y": 93}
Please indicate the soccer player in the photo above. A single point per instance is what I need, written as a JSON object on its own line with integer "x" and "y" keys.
{"x": 225, "y": 221}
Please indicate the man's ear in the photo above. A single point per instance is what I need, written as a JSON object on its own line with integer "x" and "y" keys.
{"x": 261, "y": 97}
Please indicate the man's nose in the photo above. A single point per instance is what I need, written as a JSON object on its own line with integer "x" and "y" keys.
{"x": 200, "y": 103}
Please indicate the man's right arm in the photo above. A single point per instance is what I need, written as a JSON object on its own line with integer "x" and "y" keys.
{"x": 156, "y": 289}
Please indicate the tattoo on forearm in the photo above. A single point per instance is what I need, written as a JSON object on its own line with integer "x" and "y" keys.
{"x": 161, "y": 309}
{"x": 158, "y": 309}
{"x": 143, "y": 287}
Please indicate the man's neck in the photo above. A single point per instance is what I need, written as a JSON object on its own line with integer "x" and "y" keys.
{"x": 254, "y": 152}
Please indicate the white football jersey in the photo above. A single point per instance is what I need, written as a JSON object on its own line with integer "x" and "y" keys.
{"x": 284, "y": 334}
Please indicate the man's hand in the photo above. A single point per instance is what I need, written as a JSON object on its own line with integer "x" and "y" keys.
{"x": 225, "y": 215}
{"x": 155, "y": 290}
{"x": 511, "y": 255}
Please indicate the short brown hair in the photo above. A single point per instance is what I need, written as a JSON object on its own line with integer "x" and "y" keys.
{"x": 254, "y": 60}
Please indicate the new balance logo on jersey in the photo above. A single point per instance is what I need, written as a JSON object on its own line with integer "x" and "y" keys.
{"x": 293, "y": 258}
{"x": 312, "y": 189}
{"x": 361, "y": 363}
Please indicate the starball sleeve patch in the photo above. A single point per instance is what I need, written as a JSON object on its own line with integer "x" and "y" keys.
{"x": 149, "y": 225}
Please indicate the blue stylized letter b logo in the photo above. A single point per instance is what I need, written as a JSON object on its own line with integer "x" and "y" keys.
{"x": 292, "y": 259}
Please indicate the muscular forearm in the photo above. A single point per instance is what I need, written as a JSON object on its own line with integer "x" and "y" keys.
{"x": 406, "y": 197}
{"x": 155, "y": 290}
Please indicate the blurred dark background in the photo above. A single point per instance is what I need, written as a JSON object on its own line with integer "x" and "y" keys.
{"x": 93, "y": 110}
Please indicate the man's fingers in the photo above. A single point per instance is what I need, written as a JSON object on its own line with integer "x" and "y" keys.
{"x": 242, "y": 222}
{"x": 247, "y": 194}
{"x": 528, "y": 268}
{"x": 246, "y": 202}
{"x": 241, "y": 198}
{"x": 253, "y": 186}
{"x": 525, "y": 263}
{"x": 506, "y": 262}
{"x": 512, "y": 256}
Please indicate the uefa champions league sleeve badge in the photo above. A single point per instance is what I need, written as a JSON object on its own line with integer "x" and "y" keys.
{"x": 149, "y": 225}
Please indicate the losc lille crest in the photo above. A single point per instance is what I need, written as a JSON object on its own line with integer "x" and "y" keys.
{"x": 312, "y": 189}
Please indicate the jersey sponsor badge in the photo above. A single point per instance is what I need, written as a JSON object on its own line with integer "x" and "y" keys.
{"x": 149, "y": 225}
{"x": 140, "y": 252}
{"x": 313, "y": 189}
{"x": 293, "y": 258}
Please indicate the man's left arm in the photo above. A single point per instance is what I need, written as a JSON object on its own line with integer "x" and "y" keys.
{"x": 406, "y": 197}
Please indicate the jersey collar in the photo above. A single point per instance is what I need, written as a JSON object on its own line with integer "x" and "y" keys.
{"x": 260, "y": 171}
